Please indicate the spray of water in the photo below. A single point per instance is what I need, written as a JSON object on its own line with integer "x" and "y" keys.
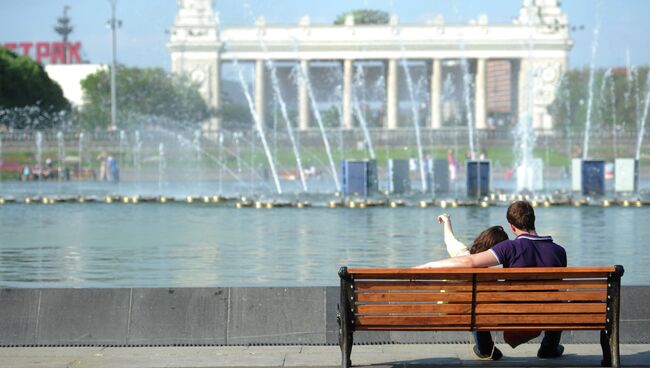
{"x": 524, "y": 134}
{"x": 39, "y": 150}
{"x": 612, "y": 96}
{"x": 137, "y": 150}
{"x": 641, "y": 132}
{"x": 469, "y": 110}
{"x": 217, "y": 159}
{"x": 198, "y": 159}
{"x": 80, "y": 152}
{"x": 605, "y": 97}
{"x": 416, "y": 118}
{"x": 196, "y": 143}
{"x": 448, "y": 92}
{"x": 285, "y": 117}
{"x": 258, "y": 127}
{"x": 122, "y": 145}
{"x": 592, "y": 68}
{"x": 603, "y": 85}
{"x": 304, "y": 78}
{"x": 358, "y": 81}
{"x": 564, "y": 94}
{"x": 414, "y": 108}
{"x": 60, "y": 142}
{"x": 162, "y": 164}
{"x": 467, "y": 87}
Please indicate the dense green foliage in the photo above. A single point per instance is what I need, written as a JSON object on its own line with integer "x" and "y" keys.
{"x": 364, "y": 16}
{"x": 618, "y": 100}
{"x": 146, "y": 96}
{"x": 28, "y": 97}
{"x": 235, "y": 116}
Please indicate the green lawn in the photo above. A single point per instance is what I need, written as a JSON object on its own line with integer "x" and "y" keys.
{"x": 284, "y": 157}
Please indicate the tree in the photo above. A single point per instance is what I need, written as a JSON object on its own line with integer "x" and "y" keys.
{"x": 235, "y": 116}
{"x": 28, "y": 97}
{"x": 618, "y": 99}
{"x": 147, "y": 96}
{"x": 364, "y": 16}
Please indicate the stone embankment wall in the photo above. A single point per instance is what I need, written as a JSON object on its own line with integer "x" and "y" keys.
{"x": 222, "y": 316}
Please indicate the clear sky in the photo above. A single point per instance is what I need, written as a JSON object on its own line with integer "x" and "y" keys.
{"x": 142, "y": 38}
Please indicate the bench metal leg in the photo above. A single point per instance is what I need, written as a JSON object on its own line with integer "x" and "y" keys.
{"x": 346, "y": 351}
{"x": 345, "y": 341}
{"x": 345, "y": 317}
{"x": 613, "y": 347}
{"x": 607, "y": 353}
{"x": 613, "y": 315}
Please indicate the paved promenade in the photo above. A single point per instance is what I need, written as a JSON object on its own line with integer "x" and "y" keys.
{"x": 440, "y": 355}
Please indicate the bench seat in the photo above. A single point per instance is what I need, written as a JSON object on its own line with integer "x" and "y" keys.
{"x": 487, "y": 299}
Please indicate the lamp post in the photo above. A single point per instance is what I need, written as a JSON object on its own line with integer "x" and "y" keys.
{"x": 113, "y": 23}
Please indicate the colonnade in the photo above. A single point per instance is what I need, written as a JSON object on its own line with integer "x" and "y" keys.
{"x": 392, "y": 108}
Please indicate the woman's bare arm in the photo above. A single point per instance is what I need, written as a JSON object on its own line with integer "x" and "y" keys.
{"x": 479, "y": 260}
{"x": 455, "y": 248}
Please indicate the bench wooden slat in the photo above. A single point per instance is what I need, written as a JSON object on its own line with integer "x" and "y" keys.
{"x": 558, "y": 327}
{"x": 448, "y": 320}
{"x": 542, "y": 276}
{"x": 413, "y": 328}
{"x": 414, "y": 308}
{"x": 541, "y": 308}
{"x": 412, "y": 285}
{"x": 541, "y": 285}
{"x": 412, "y": 276}
{"x": 546, "y": 319}
{"x": 523, "y": 296}
{"x": 415, "y": 297}
{"x": 486, "y": 273}
{"x": 483, "y": 328}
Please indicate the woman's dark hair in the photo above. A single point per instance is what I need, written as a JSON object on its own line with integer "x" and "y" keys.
{"x": 487, "y": 239}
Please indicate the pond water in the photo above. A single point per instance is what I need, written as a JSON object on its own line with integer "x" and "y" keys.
{"x": 196, "y": 245}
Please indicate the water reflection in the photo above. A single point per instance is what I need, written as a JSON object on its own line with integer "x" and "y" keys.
{"x": 96, "y": 245}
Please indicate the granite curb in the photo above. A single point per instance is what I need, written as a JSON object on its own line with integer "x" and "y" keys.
{"x": 398, "y": 355}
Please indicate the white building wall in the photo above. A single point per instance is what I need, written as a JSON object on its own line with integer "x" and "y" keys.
{"x": 69, "y": 77}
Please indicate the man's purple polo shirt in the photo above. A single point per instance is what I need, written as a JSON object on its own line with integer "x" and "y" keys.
{"x": 530, "y": 251}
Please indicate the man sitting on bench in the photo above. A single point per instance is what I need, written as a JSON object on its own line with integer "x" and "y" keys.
{"x": 527, "y": 250}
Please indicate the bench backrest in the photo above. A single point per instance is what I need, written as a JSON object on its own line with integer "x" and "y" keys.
{"x": 572, "y": 298}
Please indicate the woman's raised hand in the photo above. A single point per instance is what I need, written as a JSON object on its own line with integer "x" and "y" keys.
{"x": 443, "y": 219}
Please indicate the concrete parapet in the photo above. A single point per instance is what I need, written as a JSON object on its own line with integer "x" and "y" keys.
{"x": 178, "y": 316}
{"x": 223, "y": 316}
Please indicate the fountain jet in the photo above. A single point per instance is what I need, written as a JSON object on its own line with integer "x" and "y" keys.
{"x": 258, "y": 127}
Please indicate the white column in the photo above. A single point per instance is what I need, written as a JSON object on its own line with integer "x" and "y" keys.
{"x": 215, "y": 91}
{"x": 391, "y": 95}
{"x": 260, "y": 73}
{"x": 347, "y": 94}
{"x": 436, "y": 86}
{"x": 303, "y": 97}
{"x": 481, "y": 94}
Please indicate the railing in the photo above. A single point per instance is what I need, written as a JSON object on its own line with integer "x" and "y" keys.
{"x": 378, "y": 135}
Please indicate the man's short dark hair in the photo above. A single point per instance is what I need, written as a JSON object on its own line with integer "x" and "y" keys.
{"x": 521, "y": 215}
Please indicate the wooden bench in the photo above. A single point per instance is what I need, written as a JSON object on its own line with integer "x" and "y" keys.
{"x": 481, "y": 299}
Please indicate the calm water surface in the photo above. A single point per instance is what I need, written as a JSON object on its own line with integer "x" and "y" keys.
{"x": 155, "y": 245}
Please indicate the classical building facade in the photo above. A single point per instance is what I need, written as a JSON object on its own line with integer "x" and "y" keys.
{"x": 532, "y": 51}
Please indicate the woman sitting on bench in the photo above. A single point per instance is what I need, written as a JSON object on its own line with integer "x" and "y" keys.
{"x": 528, "y": 249}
